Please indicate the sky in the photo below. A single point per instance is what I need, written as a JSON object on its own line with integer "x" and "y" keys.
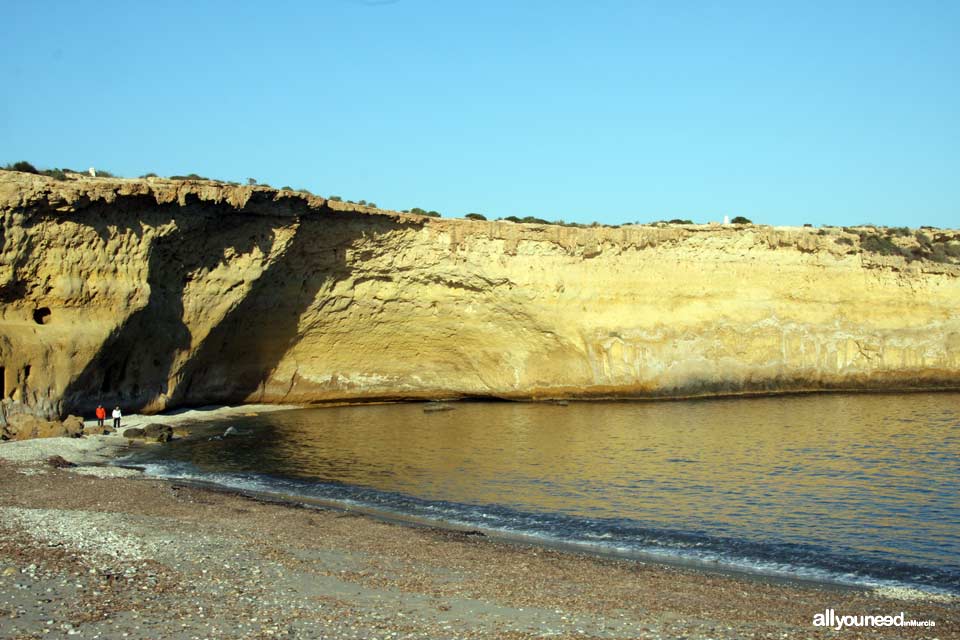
{"x": 784, "y": 112}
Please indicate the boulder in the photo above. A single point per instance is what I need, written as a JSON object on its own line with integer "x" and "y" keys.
{"x": 73, "y": 425}
{"x": 158, "y": 432}
{"x": 97, "y": 430}
{"x": 150, "y": 433}
{"x": 25, "y": 427}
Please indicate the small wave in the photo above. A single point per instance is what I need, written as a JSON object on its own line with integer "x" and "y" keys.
{"x": 621, "y": 537}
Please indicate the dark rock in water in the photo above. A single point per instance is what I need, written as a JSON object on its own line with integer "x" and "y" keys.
{"x": 150, "y": 433}
{"x": 231, "y": 431}
{"x": 158, "y": 432}
{"x": 59, "y": 462}
{"x": 431, "y": 408}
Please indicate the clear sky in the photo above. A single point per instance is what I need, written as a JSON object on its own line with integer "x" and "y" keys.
{"x": 785, "y": 112}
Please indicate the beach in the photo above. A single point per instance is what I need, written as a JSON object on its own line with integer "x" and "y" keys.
{"x": 95, "y": 551}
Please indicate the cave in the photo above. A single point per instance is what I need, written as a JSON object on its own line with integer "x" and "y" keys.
{"x": 3, "y": 382}
{"x": 41, "y": 315}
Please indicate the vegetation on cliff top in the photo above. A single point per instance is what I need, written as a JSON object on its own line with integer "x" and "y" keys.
{"x": 892, "y": 241}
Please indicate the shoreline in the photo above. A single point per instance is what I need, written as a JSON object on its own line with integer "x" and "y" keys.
{"x": 153, "y": 557}
{"x": 573, "y": 548}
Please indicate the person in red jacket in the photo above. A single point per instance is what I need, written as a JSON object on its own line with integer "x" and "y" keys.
{"x": 101, "y": 414}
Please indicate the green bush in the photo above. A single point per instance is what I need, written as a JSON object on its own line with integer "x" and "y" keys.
{"x": 952, "y": 249}
{"x": 286, "y": 188}
{"x": 898, "y": 231}
{"x": 149, "y": 175}
{"x": 939, "y": 254}
{"x": 22, "y": 166}
{"x": 924, "y": 240}
{"x": 189, "y": 176}
{"x": 741, "y": 220}
{"x": 475, "y": 216}
{"x": 372, "y": 204}
{"x": 845, "y": 240}
{"x": 103, "y": 173}
{"x": 251, "y": 181}
{"x": 511, "y": 219}
{"x": 433, "y": 214}
{"x": 361, "y": 202}
{"x": 879, "y": 244}
{"x": 335, "y": 198}
{"x": 533, "y": 220}
{"x": 680, "y": 221}
{"x": 56, "y": 174}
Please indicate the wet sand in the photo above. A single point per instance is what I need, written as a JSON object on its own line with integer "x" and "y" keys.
{"x": 93, "y": 551}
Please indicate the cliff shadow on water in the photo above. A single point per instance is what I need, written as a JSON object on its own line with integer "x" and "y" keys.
{"x": 152, "y": 362}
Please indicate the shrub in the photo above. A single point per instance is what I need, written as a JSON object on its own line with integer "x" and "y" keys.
{"x": 189, "y": 176}
{"x": 533, "y": 220}
{"x": 433, "y": 214}
{"x": 149, "y": 175}
{"x": 511, "y": 219}
{"x": 56, "y": 174}
{"x": 361, "y": 202}
{"x": 680, "y": 221}
{"x": 418, "y": 211}
{"x": 898, "y": 231}
{"x": 22, "y": 166}
{"x": 335, "y": 198}
{"x": 741, "y": 220}
{"x": 923, "y": 239}
{"x": 807, "y": 224}
{"x": 939, "y": 254}
{"x": 475, "y": 216}
{"x": 952, "y": 249}
{"x": 286, "y": 188}
{"x": 103, "y": 173}
{"x": 879, "y": 244}
{"x": 251, "y": 181}
{"x": 845, "y": 240}
{"x": 372, "y": 204}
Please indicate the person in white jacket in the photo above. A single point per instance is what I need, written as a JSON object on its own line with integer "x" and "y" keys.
{"x": 116, "y": 418}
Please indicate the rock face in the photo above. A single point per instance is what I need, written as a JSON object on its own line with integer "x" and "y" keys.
{"x": 151, "y": 294}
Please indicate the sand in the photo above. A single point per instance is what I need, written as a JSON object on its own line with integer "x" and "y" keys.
{"x": 97, "y": 552}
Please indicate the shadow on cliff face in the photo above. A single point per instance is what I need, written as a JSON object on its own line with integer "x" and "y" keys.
{"x": 238, "y": 355}
{"x": 132, "y": 366}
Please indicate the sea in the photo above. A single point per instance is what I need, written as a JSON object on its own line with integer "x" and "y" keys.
{"x": 850, "y": 489}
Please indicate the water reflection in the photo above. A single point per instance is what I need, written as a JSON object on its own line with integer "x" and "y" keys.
{"x": 872, "y": 475}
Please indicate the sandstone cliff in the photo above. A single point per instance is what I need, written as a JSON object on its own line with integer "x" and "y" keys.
{"x": 157, "y": 293}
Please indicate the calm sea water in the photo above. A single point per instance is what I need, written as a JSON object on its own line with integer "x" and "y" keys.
{"x": 861, "y": 489}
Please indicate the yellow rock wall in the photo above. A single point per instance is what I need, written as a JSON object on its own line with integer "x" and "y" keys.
{"x": 165, "y": 293}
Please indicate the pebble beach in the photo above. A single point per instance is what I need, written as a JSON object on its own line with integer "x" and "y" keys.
{"x": 95, "y": 551}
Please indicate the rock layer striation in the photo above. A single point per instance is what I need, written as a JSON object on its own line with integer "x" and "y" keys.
{"x": 154, "y": 293}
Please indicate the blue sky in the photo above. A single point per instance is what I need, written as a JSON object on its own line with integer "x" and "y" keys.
{"x": 787, "y": 113}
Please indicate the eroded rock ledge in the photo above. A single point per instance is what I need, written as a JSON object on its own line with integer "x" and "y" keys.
{"x": 158, "y": 293}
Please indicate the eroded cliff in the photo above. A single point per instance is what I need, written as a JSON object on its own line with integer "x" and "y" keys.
{"x": 156, "y": 293}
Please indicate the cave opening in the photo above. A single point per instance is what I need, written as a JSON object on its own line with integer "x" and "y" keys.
{"x": 3, "y": 382}
{"x": 41, "y": 315}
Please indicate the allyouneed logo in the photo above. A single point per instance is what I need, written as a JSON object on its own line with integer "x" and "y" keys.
{"x": 829, "y": 618}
